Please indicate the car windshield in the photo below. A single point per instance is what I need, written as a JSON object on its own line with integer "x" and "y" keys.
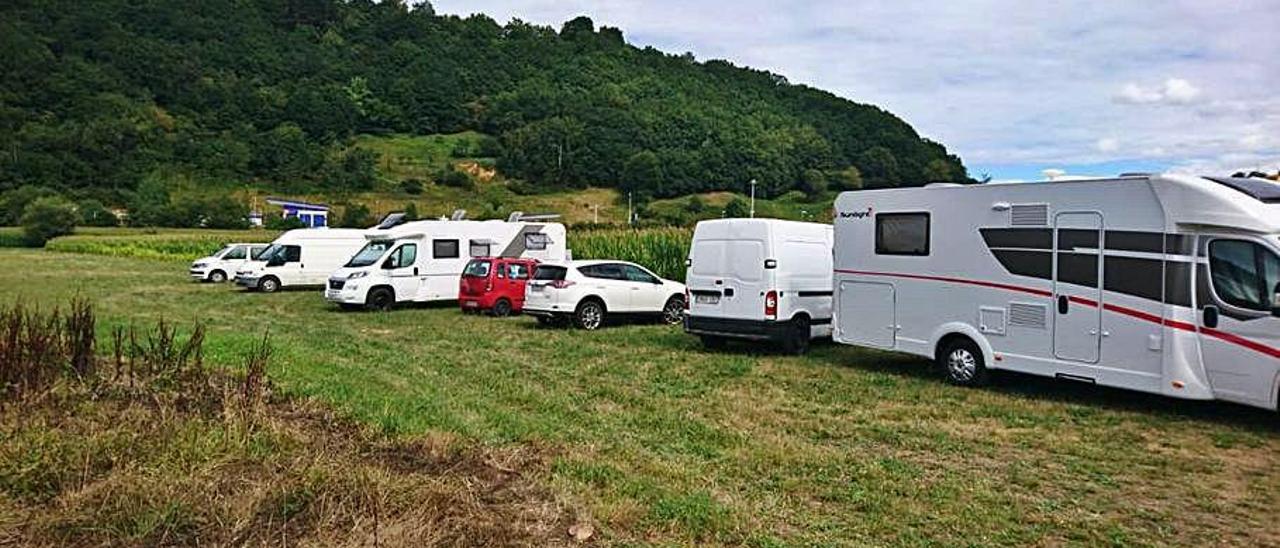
{"x": 477, "y": 269}
{"x": 549, "y": 273}
{"x": 370, "y": 254}
{"x": 223, "y": 251}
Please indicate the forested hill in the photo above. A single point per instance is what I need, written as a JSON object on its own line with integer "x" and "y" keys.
{"x": 99, "y": 94}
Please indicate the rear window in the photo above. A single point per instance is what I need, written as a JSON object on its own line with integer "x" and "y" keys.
{"x": 549, "y": 273}
{"x": 477, "y": 269}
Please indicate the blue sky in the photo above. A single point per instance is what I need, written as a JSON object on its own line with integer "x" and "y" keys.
{"x": 1013, "y": 87}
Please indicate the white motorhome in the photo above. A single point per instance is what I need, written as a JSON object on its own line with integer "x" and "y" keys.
{"x": 419, "y": 261}
{"x": 220, "y": 266}
{"x": 301, "y": 257}
{"x": 759, "y": 279}
{"x": 1159, "y": 283}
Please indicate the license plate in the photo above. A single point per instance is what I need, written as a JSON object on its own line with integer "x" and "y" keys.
{"x": 472, "y": 304}
{"x": 706, "y": 299}
{"x": 537, "y": 288}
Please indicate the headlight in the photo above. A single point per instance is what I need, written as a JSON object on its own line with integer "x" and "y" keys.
{"x": 357, "y": 274}
{"x": 199, "y": 265}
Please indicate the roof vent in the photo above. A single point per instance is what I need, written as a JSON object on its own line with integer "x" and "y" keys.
{"x": 392, "y": 219}
{"x": 458, "y": 215}
{"x": 1029, "y": 215}
{"x": 520, "y": 216}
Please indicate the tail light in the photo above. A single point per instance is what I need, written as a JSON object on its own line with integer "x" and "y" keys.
{"x": 561, "y": 284}
{"x": 771, "y": 305}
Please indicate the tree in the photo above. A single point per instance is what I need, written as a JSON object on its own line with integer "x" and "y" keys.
{"x": 411, "y": 211}
{"x": 736, "y": 208}
{"x": 879, "y": 167}
{"x": 356, "y": 216}
{"x": 47, "y": 218}
{"x": 93, "y": 213}
{"x": 695, "y": 205}
{"x": 813, "y": 183}
{"x": 642, "y": 176}
{"x": 848, "y": 178}
{"x": 14, "y": 202}
{"x": 939, "y": 171}
{"x": 450, "y": 176}
{"x": 411, "y": 186}
{"x": 150, "y": 205}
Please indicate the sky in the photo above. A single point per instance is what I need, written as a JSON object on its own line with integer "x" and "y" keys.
{"x": 1013, "y": 87}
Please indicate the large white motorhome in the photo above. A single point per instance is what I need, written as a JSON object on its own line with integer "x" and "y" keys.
{"x": 300, "y": 257}
{"x": 1160, "y": 283}
{"x": 759, "y": 279}
{"x": 419, "y": 261}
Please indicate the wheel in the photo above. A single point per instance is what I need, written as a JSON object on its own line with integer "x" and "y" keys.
{"x": 961, "y": 361}
{"x": 502, "y": 308}
{"x": 712, "y": 342}
{"x": 796, "y": 341}
{"x": 380, "y": 298}
{"x": 217, "y": 276}
{"x": 589, "y": 315}
{"x": 269, "y": 284}
{"x": 673, "y": 311}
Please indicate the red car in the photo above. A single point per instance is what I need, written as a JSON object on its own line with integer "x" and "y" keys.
{"x": 495, "y": 285}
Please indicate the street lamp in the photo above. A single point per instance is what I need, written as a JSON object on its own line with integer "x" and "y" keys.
{"x": 753, "y": 198}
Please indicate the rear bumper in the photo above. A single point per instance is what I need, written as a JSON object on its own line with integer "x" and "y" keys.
{"x": 757, "y": 330}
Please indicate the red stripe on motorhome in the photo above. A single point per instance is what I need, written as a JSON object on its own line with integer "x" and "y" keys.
{"x": 1131, "y": 312}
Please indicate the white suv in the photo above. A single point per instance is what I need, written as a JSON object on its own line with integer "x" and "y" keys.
{"x": 588, "y": 291}
{"x": 221, "y": 265}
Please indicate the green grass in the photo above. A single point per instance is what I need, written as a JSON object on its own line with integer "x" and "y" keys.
{"x": 163, "y": 244}
{"x": 658, "y": 441}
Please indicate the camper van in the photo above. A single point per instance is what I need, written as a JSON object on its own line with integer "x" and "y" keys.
{"x": 220, "y": 266}
{"x": 301, "y": 257}
{"x": 419, "y": 261}
{"x": 1160, "y": 283}
{"x": 759, "y": 279}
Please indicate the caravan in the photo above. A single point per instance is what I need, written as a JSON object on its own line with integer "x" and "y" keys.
{"x": 300, "y": 257}
{"x": 419, "y": 261}
{"x": 1165, "y": 284}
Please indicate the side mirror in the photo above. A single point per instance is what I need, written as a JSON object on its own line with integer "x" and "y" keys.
{"x": 388, "y": 264}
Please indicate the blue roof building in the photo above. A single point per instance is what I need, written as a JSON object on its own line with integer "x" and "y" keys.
{"x": 311, "y": 215}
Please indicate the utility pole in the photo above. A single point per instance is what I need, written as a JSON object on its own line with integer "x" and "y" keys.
{"x": 753, "y": 198}
{"x": 630, "y": 216}
{"x": 595, "y": 214}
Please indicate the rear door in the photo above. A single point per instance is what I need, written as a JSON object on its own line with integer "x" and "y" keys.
{"x": 729, "y": 279}
{"x": 1077, "y": 286}
{"x": 609, "y": 281}
{"x": 540, "y": 293}
{"x": 867, "y": 314}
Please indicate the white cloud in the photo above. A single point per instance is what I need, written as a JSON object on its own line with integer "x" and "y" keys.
{"x": 1179, "y": 91}
{"x": 1174, "y": 91}
{"x": 1107, "y": 144}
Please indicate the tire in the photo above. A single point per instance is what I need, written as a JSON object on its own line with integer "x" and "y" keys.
{"x": 796, "y": 341}
{"x": 712, "y": 342}
{"x": 380, "y": 299}
{"x": 962, "y": 363}
{"x": 589, "y": 315}
{"x": 502, "y": 308}
{"x": 269, "y": 284}
{"x": 217, "y": 276}
{"x": 673, "y": 311}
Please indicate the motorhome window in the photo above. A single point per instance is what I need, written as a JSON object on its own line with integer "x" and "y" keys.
{"x": 236, "y": 252}
{"x": 1244, "y": 273}
{"x": 477, "y": 269}
{"x": 369, "y": 254}
{"x": 536, "y": 241}
{"x": 292, "y": 253}
{"x": 480, "y": 249}
{"x": 635, "y": 274}
{"x": 517, "y": 271}
{"x": 405, "y": 256}
{"x": 444, "y": 249}
{"x": 902, "y": 233}
{"x": 549, "y": 273}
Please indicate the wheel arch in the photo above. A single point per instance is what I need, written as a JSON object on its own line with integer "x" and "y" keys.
{"x": 948, "y": 332}
{"x": 592, "y": 297}
{"x": 381, "y": 286}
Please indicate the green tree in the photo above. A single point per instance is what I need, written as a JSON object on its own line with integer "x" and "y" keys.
{"x": 47, "y": 218}
{"x": 411, "y": 187}
{"x": 150, "y": 205}
{"x": 93, "y": 213}
{"x": 736, "y": 208}
{"x": 879, "y": 167}
{"x": 813, "y": 183}
{"x": 14, "y": 202}
{"x": 411, "y": 211}
{"x": 642, "y": 176}
{"x": 695, "y": 205}
{"x": 848, "y": 178}
{"x": 356, "y": 216}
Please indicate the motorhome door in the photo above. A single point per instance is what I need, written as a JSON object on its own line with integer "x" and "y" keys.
{"x": 1077, "y": 286}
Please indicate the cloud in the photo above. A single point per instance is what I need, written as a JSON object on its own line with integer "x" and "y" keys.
{"x": 1175, "y": 91}
{"x": 1107, "y": 144}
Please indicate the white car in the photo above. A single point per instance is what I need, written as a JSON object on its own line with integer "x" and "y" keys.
{"x": 587, "y": 292}
{"x": 220, "y": 266}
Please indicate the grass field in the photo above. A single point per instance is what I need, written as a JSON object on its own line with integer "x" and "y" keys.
{"x": 657, "y": 441}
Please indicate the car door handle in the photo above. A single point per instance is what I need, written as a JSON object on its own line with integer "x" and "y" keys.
{"x": 415, "y": 271}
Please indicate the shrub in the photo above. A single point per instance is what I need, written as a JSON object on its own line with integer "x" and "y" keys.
{"x": 47, "y": 218}
{"x": 284, "y": 223}
{"x": 737, "y": 207}
{"x": 356, "y": 216}
{"x": 94, "y": 213}
{"x": 451, "y": 177}
{"x": 411, "y": 211}
{"x": 411, "y": 186}
{"x": 14, "y": 202}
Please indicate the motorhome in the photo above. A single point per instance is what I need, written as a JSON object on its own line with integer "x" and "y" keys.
{"x": 1160, "y": 283}
{"x": 301, "y": 257}
{"x": 222, "y": 264}
{"x": 759, "y": 279}
{"x": 419, "y": 261}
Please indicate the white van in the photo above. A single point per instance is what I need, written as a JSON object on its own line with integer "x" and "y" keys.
{"x": 420, "y": 261}
{"x": 1160, "y": 283}
{"x": 760, "y": 279}
{"x": 300, "y": 257}
{"x": 220, "y": 266}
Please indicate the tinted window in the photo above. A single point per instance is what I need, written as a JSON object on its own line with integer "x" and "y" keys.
{"x": 477, "y": 269}
{"x": 292, "y": 253}
{"x": 517, "y": 271}
{"x": 549, "y": 273}
{"x": 637, "y": 274}
{"x": 404, "y": 256}
{"x": 236, "y": 252}
{"x": 603, "y": 271}
{"x": 902, "y": 234}
{"x": 444, "y": 249}
{"x": 255, "y": 252}
{"x": 1244, "y": 273}
{"x": 480, "y": 249}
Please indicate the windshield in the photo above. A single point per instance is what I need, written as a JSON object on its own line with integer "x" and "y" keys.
{"x": 369, "y": 254}
{"x": 222, "y": 251}
{"x": 477, "y": 269}
{"x": 270, "y": 252}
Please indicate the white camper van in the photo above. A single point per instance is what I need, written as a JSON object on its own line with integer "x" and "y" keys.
{"x": 1160, "y": 283}
{"x": 224, "y": 263}
{"x": 300, "y": 257}
{"x": 420, "y": 261}
{"x": 760, "y": 279}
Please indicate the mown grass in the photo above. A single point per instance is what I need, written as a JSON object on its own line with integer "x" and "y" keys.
{"x": 658, "y": 441}
{"x": 163, "y": 244}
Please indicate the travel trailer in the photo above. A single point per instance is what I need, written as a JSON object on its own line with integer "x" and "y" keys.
{"x": 419, "y": 261}
{"x": 220, "y": 266}
{"x": 1160, "y": 283}
{"x": 301, "y": 257}
{"x": 759, "y": 279}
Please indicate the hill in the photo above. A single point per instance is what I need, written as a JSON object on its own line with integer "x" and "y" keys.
{"x": 284, "y": 95}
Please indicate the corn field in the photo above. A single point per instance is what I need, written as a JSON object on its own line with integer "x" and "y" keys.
{"x": 174, "y": 245}
{"x": 662, "y": 250}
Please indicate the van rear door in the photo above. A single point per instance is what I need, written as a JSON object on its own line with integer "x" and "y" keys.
{"x": 727, "y": 278}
